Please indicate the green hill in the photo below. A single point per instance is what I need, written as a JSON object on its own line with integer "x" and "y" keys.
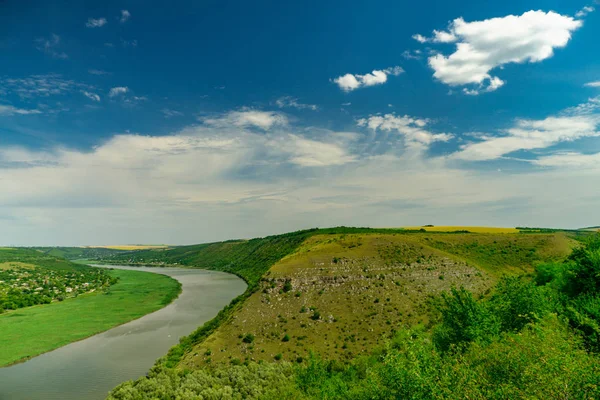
{"x": 366, "y": 314}
{"x": 78, "y": 253}
{"x": 369, "y": 281}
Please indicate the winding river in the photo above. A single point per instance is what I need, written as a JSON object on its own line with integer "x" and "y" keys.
{"x": 89, "y": 369}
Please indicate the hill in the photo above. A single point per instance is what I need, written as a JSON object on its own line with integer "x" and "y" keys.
{"x": 359, "y": 314}
{"x": 340, "y": 291}
{"x": 78, "y": 253}
{"x": 341, "y": 295}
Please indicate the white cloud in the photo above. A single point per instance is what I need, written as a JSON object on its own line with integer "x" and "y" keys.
{"x": 125, "y": 15}
{"x": 485, "y": 45}
{"x": 592, "y": 106}
{"x": 593, "y": 84}
{"x": 420, "y": 38}
{"x": 288, "y": 101}
{"x": 412, "y": 55}
{"x": 350, "y": 82}
{"x": 119, "y": 90}
{"x": 7, "y": 111}
{"x": 96, "y": 22}
{"x": 243, "y": 183}
{"x": 438, "y": 37}
{"x": 569, "y": 160}
{"x": 50, "y": 46}
{"x": 168, "y": 113}
{"x": 311, "y": 153}
{"x": 529, "y": 135}
{"x": 584, "y": 11}
{"x": 413, "y": 130}
{"x": 444, "y": 37}
{"x": 90, "y": 95}
{"x": 248, "y": 118}
{"x": 41, "y": 86}
{"x": 97, "y": 72}
{"x": 129, "y": 43}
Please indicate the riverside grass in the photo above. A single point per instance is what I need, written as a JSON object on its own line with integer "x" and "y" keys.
{"x": 31, "y": 331}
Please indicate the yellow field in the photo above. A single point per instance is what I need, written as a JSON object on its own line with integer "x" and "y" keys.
{"x": 474, "y": 229}
{"x": 131, "y": 247}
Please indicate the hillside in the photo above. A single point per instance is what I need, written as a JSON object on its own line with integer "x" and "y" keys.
{"x": 341, "y": 295}
{"x": 39, "y": 259}
{"x": 78, "y": 253}
{"x": 359, "y": 315}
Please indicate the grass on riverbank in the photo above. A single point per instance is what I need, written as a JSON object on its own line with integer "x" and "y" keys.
{"x": 31, "y": 331}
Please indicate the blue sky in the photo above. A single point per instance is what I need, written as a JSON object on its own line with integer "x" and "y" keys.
{"x": 124, "y": 122}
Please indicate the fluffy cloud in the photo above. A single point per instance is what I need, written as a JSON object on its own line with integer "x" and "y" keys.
{"x": 90, "y": 95}
{"x": 413, "y": 130}
{"x": 96, "y": 23}
{"x": 119, "y": 90}
{"x": 438, "y": 37}
{"x": 530, "y": 135}
{"x": 51, "y": 46}
{"x": 125, "y": 15}
{"x": 288, "y": 101}
{"x": 485, "y": 45}
{"x": 248, "y": 118}
{"x": 6, "y": 111}
{"x": 350, "y": 82}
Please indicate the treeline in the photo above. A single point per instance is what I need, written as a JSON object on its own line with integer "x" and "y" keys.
{"x": 536, "y": 337}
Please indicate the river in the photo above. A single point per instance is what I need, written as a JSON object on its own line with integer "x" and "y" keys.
{"x": 90, "y": 368}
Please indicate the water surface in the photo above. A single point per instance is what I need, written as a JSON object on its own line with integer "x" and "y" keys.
{"x": 89, "y": 369}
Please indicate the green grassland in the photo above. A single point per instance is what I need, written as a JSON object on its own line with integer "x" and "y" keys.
{"x": 34, "y": 330}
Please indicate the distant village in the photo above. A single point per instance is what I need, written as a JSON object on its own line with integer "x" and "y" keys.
{"x": 24, "y": 287}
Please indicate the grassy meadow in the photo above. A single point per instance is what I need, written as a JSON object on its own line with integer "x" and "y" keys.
{"x": 28, "y": 332}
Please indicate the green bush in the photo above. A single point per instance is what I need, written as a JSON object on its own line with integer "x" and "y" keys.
{"x": 248, "y": 338}
{"x": 464, "y": 320}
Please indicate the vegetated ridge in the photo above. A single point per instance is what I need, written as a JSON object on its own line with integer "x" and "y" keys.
{"x": 372, "y": 300}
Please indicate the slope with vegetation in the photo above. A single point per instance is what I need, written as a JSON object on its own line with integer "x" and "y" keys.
{"x": 371, "y": 306}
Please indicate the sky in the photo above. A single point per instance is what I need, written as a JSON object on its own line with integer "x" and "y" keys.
{"x": 195, "y": 121}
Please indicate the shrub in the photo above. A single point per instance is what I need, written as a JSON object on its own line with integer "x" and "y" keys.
{"x": 286, "y": 338}
{"x": 248, "y": 338}
{"x": 518, "y": 302}
{"x": 464, "y": 320}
